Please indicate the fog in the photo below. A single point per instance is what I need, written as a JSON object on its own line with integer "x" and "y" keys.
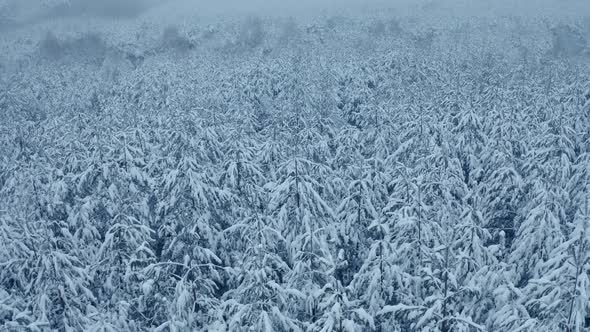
{"x": 75, "y": 30}
{"x": 32, "y": 11}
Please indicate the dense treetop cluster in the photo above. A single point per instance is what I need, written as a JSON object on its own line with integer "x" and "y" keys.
{"x": 343, "y": 175}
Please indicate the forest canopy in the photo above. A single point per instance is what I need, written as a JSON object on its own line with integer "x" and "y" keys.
{"x": 420, "y": 167}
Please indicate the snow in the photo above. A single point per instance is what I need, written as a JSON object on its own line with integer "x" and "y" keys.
{"x": 371, "y": 169}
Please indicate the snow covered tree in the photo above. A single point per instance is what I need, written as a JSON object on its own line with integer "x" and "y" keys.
{"x": 355, "y": 214}
{"x": 558, "y": 298}
{"x": 54, "y": 280}
{"x": 261, "y": 299}
{"x": 339, "y": 313}
{"x": 303, "y": 217}
{"x": 382, "y": 279}
{"x": 538, "y": 235}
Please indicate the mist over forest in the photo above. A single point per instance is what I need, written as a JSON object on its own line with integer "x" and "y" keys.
{"x": 317, "y": 166}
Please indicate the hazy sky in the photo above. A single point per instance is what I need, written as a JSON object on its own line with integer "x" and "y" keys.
{"x": 294, "y": 7}
{"x": 454, "y": 7}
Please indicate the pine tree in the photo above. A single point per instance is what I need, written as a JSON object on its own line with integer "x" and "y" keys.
{"x": 382, "y": 279}
{"x": 260, "y": 300}
{"x": 558, "y": 298}
{"x": 538, "y": 234}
